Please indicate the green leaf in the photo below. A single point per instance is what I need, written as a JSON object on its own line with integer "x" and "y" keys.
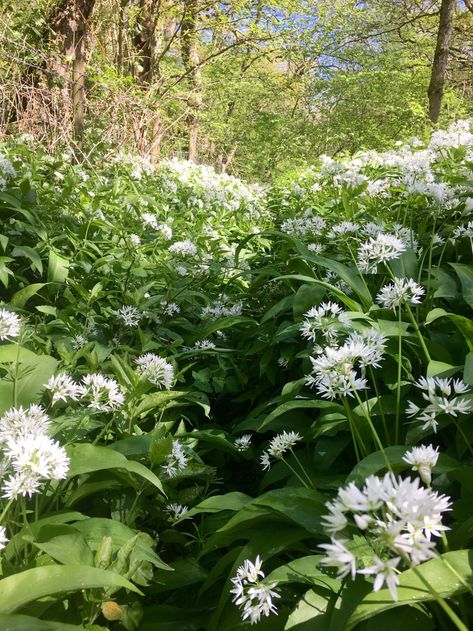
{"x": 465, "y": 274}
{"x": 34, "y": 373}
{"x": 374, "y": 463}
{"x": 64, "y": 544}
{"x": 31, "y": 254}
{"x": 298, "y": 404}
{"x": 450, "y": 574}
{"x": 20, "y": 589}
{"x": 464, "y": 325}
{"x": 28, "y": 623}
{"x": 310, "y": 613}
{"x": 13, "y": 352}
{"x": 86, "y": 458}
{"x": 21, "y": 297}
{"x": 441, "y": 369}
{"x": 304, "y": 570}
{"x": 58, "y": 267}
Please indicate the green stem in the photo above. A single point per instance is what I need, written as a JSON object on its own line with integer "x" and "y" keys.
{"x": 381, "y": 409}
{"x": 419, "y": 334}
{"x": 398, "y": 386}
{"x": 302, "y": 468}
{"x": 301, "y": 480}
{"x": 354, "y": 434}
{"x": 5, "y": 510}
{"x": 376, "y": 437}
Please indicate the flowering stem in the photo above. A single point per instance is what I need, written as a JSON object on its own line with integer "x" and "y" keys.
{"x": 301, "y": 468}
{"x": 354, "y": 433}
{"x": 376, "y": 437}
{"x": 398, "y": 386}
{"x": 301, "y": 480}
{"x": 5, "y": 510}
{"x": 419, "y": 334}
{"x": 441, "y": 601}
{"x": 381, "y": 409}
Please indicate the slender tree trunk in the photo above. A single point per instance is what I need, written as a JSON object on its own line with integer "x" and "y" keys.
{"x": 439, "y": 65}
{"x": 145, "y": 40}
{"x": 191, "y": 60}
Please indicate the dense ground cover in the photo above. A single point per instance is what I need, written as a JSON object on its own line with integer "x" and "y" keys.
{"x": 223, "y": 405}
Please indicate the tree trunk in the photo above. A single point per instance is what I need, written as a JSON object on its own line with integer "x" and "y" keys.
{"x": 439, "y": 65}
{"x": 191, "y": 60}
{"x": 70, "y": 22}
{"x": 145, "y": 40}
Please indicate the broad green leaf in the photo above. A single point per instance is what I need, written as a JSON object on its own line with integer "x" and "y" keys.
{"x": 21, "y": 297}
{"x": 31, "y": 254}
{"x": 304, "y": 570}
{"x": 450, "y": 574}
{"x": 465, "y": 274}
{"x": 14, "y": 622}
{"x": 58, "y": 267}
{"x": 441, "y": 369}
{"x": 95, "y": 529}
{"x": 64, "y": 544}
{"x": 86, "y": 458}
{"x": 349, "y": 302}
{"x": 298, "y": 404}
{"x": 34, "y": 374}
{"x": 230, "y": 501}
{"x": 14, "y": 352}
{"x": 375, "y": 462}
{"x": 310, "y": 613}
{"x": 20, "y": 589}
{"x": 464, "y": 325}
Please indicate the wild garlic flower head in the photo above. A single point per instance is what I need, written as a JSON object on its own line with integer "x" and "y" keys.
{"x": 156, "y": 369}
{"x": 278, "y": 446}
{"x": 103, "y": 393}
{"x": 328, "y": 319}
{"x": 165, "y": 230}
{"x": 176, "y": 511}
{"x": 334, "y": 370}
{"x": 204, "y": 345}
{"x": 242, "y": 443}
{"x": 129, "y": 315}
{"x": 78, "y": 341}
{"x": 30, "y": 457}
{"x": 135, "y": 240}
{"x": 18, "y": 423}
{"x": 10, "y": 324}
{"x": 63, "y": 388}
{"x": 397, "y": 518}
{"x": 221, "y": 308}
{"x": 379, "y": 249}
{"x": 402, "y": 291}
{"x": 150, "y": 220}
{"x": 250, "y": 594}
{"x": 183, "y": 248}
{"x": 176, "y": 460}
{"x": 422, "y": 459}
{"x": 442, "y": 397}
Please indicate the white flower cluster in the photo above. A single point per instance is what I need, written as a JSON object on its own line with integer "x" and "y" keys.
{"x": 30, "y": 456}
{"x": 156, "y": 369}
{"x": 242, "y": 443}
{"x": 102, "y": 393}
{"x": 328, "y": 319}
{"x": 176, "y": 460}
{"x": 379, "y": 249}
{"x": 129, "y": 315}
{"x": 396, "y": 517}
{"x": 221, "y": 308}
{"x": 7, "y": 172}
{"x": 442, "y": 398}
{"x": 183, "y": 248}
{"x": 10, "y": 324}
{"x": 422, "y": 459}
{"x": 175, "y": 512}
{"x": 250, "y": 594}
{"x": 400, "y": 292}
{"x": 334, "y": 369}
{"x": 278, "y": 446}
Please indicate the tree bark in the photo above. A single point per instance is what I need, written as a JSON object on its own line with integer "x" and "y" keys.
{"x": 191, "y": 61}
{"x": 145, "y": 40}
{"x": 439, "y": 65}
